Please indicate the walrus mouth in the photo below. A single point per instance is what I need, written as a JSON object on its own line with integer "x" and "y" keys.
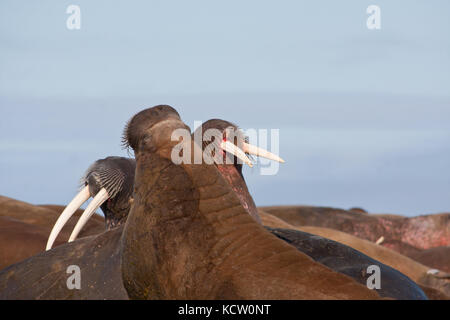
{"x": 70, "y": 210}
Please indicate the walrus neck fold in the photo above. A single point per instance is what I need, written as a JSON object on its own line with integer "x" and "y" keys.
{"x": 237, "y": 183}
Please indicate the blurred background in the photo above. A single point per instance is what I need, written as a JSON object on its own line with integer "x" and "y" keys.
{"x": 364, "y": 115}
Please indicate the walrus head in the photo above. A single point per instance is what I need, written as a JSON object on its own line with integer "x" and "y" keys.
{"x": 109, "y": 182}
{"x": 227, "y": 144}
{"x": 151, "y": 128}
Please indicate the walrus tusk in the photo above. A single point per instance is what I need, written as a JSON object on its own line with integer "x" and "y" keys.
{"x": 380, "y": 240}
{"x": 71, "y": 208}
{"x": 248, "y": 148}
{"x": 98, "y": 200}
{"x": 235, "y": 150}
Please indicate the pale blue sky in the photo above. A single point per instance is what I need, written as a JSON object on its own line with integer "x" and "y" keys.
{"x": 363, "y": 115}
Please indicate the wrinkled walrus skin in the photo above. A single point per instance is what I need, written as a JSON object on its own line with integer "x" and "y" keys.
{"x": 346, "y": 260}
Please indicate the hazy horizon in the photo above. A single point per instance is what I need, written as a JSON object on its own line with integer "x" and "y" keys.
{"x": 336, "y": 155}
{"x": 363, "y": 114}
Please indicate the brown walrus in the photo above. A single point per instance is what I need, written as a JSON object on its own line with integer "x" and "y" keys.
{"x": 188, "y": 236}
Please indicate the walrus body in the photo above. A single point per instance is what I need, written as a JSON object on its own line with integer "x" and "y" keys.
{"x": 24, "y": 229}
{"x": 352, "y": 263}
{"x": 45, "y": 275}
{"x": 406, "y": 235}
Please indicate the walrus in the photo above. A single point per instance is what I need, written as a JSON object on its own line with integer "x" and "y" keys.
{"x": 187, "y": 236}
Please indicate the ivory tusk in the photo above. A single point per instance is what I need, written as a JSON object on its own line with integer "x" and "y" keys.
{"x": 235, "y": 150}
{"x": 98, "y": 200}
{"x": 248, "y": 148}
{"x": 71, "y": 208}
{"x": 380, "y": 240}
